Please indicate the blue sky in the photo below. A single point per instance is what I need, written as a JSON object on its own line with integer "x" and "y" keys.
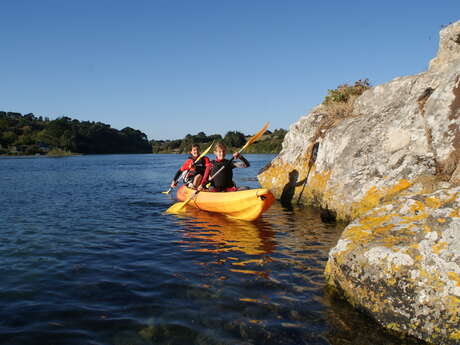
{"x": 170, "y": 68}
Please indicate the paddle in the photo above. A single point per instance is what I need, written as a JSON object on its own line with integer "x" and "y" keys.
{"x": 181, "y": 177}
{"x": 205, "y": 152}
{"x": 180, "y": 205}
{"x": 249, "y": 142}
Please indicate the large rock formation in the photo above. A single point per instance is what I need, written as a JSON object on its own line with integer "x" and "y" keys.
{"x": 400, "y": 263}
{"x": 391, "y": 165}
{"x": 398, "y": 136}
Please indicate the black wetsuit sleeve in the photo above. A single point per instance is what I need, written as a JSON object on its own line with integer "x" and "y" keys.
{"x": 176, "y": 177}
{"x": 243, "y": 164}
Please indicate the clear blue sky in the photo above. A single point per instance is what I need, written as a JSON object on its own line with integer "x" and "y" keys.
{"x": 171, "y": 67}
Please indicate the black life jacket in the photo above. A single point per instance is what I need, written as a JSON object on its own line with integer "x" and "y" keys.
{"x": 225, "y": 178}
{"x": 200, "y": 166}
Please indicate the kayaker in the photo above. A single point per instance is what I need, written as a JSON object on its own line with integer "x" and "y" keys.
{"x": 192, "y": 172}
{"x": 223, "y": 181}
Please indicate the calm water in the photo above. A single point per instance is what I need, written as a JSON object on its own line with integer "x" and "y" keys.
{"x": 88, "y": 257}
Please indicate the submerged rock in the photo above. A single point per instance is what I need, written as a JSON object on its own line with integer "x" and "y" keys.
{"x": 400, "y": 263}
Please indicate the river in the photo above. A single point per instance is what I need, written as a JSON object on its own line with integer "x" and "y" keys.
{"x": 89, "y": 257}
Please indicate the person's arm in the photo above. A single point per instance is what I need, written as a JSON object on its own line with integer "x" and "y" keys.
{"x": 187, "y": 165}
{"x": 206, "y": 161}
{"x": 184, "y": 167}
{"x": 176, "y": 177}
{"x": 204, "y": 180}
{"x": 244, "y": 163}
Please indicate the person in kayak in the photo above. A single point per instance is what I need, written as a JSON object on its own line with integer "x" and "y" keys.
{"x": 223, "y": 181}
{"x": 192, "y": 172}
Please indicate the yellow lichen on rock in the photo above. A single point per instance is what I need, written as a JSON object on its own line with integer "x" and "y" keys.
{"x": 455, "y": 335}
{"x": 455, "y": 213}
{"x": 433, "y": 202}
{"x": 438, "y": 247}
{"x": 371, "y": 199}
{"x": 397, "y": 188}
{"x": 417, "y": 206}
{"x": 402, "y": 256}
{"x": 454, "y": 276}
{"x": 375, "y": 196}
{"x": 317, "y": 189}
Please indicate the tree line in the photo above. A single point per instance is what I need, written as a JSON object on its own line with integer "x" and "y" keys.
{"x": 270, "y": 142}
{"x": 30, "y": 134}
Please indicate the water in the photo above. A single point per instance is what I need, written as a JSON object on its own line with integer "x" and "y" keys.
{"x": 89, "y": 257}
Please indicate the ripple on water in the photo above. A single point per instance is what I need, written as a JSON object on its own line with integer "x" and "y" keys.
{"x": 89, "y": 257}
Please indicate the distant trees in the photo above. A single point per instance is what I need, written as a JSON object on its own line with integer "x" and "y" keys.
{"x": 234, "y": 139}
{"x": 30, "y": 134}
{"x": 269, "y": 143}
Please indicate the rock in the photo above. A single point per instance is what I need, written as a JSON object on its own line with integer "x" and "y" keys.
{"x": 398, "y": 134}
{"x": 448, "y": 46}
{"x": 390, "y": 165}
{"x": 400, "y": 263}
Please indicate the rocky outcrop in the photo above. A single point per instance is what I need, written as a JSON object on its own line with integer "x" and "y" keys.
{"x": 399, "y": 135}
{"x": 400, "y": 263}
{"x": 391, "y": 166}
{"x": 448, "y": 47}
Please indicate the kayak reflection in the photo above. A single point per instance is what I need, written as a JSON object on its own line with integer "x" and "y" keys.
{"x": 214, "y": 233}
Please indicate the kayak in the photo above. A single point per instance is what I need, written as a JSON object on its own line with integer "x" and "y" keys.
{"x": 243, "y": 204}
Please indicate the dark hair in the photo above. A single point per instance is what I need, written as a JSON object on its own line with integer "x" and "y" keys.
{"x": 193, "y": 146}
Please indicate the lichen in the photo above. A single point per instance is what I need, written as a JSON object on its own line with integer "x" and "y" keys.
{"x": 396, "y": 265}
{"x": 375, "y": 196}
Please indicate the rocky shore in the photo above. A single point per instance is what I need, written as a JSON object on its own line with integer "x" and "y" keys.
{"x": 391, "y": 168}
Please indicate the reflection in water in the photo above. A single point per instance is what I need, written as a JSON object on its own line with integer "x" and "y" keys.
{"x": 263, "y": 282}
{"x": 209, "y": 232}
{"x": 95, "y": 261}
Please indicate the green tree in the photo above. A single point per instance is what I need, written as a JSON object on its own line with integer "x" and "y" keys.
{"x": 235, "y": 139}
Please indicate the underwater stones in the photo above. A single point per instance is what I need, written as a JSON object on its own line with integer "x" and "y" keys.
{"x": 401, "y": 265}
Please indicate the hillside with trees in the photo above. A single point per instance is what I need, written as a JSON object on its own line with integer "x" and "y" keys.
{"x": 269, "y": 143}
{"x": 29, "y": 135}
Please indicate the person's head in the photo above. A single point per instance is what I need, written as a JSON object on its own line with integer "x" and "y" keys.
{"x": 220, "y": 150}
{"x": 195, "y": 150}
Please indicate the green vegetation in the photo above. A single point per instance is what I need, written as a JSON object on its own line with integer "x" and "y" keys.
{"x": 29, "y": 135}
{"x": 344, "y": 93}
{"x": 58, "y": 153}
{"x": 269, "y": 143}
{"x": 339, "y": 103}
{"x": 32, "y": 135}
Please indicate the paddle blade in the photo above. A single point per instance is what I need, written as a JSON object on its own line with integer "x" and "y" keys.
{"x": 176, "y": 208}
{"x": 167, "y": 192}
{"x": 205, "y": 152}
{"x": 256, "y": 136}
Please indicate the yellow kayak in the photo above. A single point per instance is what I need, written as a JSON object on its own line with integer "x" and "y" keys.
{"x": 244, "y": 204}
